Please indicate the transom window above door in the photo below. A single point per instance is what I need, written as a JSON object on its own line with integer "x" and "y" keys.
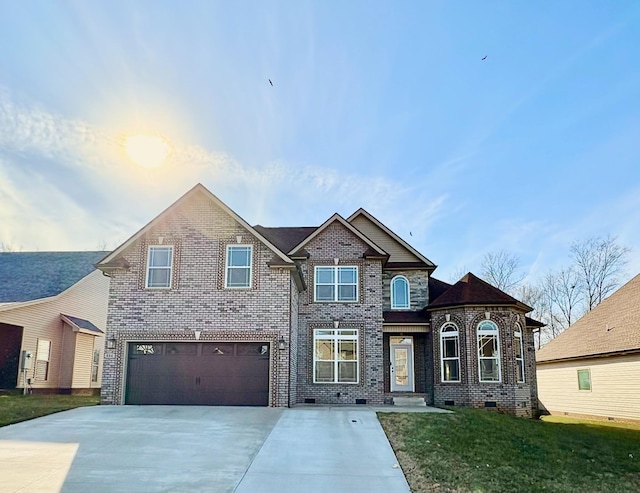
{"x": 336, "y": 283}
{"x": 238, "y": 271}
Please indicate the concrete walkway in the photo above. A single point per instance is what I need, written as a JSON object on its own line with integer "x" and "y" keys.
{"x": 200, "y": 449}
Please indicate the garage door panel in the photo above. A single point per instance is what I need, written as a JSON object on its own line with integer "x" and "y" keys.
{"x": 233, "y": 374}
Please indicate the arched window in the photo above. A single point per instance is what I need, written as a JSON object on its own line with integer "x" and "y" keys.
{"x": 399, "y": 293}
{"x": 488, "y": 352}
{"x": 449, "y": 353}
{"x": 517, "y": 341}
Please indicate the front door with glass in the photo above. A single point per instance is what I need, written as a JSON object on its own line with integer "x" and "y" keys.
{"x": 401, "y": 349}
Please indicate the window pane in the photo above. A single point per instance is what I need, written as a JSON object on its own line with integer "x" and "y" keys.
{"x": 347, "y": 350}
{"x": 324, "y": 293}
{"x": 488, "y": 346}
{"x": 520, "y": 370}
{"x": 489, "y": 370}
{"x": 160, "y": 257}
{"x": 449, "y": 328}
{"x": 325, "y": 275}
{"x": 348, "y": 332}
{"x": 400, "y": 289}
{"x": 324, "y": 350}
{"x": 324, "y": 371}
{"x": 347, "y": 275}
{"x": 450, "y": 349}
{"x": 347, "y": 371}
{"x": 584, "y": 380}
{"x": 159, "y": 278}
{"x": 320, "y": 332}
{"x": 239, "y": 256}
{"x": 451, "y": 369}
{"x": 346, "y": 293}
{"x": 238, "y": 277}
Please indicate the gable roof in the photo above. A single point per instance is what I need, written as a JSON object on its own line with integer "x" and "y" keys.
{"x": 285, "y": 238}
{"x": 376, "y": 250}
{"x": 28, "y": 276}
{"x": 471, "y": 290}
{"x": 107, "y": 262}
{"x": 611, "y": 327}
{"x": 81, "y": 325}
{"x": 392, "y": 235}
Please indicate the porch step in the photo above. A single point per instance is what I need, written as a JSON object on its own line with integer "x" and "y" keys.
{"x": 409, "y": 401}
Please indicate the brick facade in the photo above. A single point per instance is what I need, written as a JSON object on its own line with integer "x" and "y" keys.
{"x": 276, "y": 310}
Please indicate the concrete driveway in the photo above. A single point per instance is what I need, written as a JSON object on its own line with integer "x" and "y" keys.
{"x": 208, "y": 449}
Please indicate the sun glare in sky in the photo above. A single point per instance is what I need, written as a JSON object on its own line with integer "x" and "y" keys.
{"x": 149, "y": 151}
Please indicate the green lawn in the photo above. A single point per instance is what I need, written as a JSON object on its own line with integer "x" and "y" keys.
{"x": 476, "y": 450}
{"x": 15, "y": 408}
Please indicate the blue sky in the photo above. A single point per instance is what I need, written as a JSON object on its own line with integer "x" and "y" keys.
{"x": 382, "y": 105}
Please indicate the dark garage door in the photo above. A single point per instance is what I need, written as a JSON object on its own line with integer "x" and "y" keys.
{"x": 199, "y": 374}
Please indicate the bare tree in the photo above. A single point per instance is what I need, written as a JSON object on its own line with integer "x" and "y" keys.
{"x": 565, "y": 293}
{"x": 502, "y": 269}
{"x": 600, "y": 262}
{"x": 457, "y": 274}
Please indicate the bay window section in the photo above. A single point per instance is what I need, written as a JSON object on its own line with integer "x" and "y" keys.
{"x": 517, "y": 337}
{"x": 488, "y": 352}
{"x": 449, "y": 353}
{"x": 335, "y": 356}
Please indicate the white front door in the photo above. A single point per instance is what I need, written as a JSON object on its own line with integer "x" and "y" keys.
{"x": 401, "y": 349}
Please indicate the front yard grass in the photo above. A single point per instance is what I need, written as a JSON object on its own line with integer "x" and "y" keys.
{"x": 16, "y": 408}
{"x": 476, "y": 450}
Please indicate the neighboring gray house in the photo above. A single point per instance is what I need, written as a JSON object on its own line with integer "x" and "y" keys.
{"x": 206, "y": 309}
{"x": 53, "y": 305}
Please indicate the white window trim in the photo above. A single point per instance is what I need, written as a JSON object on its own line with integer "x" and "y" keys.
{"x": 335, "y": 283}
{"x": 227, "y": 267}
{"x": 393, "y": 299}
{"x": 449, "y": 335}
{"x": 170, "y": 268}
{"x": 517, "y": 335}
{"x": 336, "y": 337}
{"x": 494, "y": 333}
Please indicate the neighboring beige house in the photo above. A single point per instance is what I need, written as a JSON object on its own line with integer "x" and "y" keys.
{"x": 593, "y": 368}
{"x": 53, "y": 307}
{"x": 205, "y": 309}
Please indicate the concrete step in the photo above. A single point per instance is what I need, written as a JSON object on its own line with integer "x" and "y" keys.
{"x": 409, "y": 401}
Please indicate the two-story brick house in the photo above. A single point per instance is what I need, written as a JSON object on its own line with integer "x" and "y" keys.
{"x": 206, "y": 309}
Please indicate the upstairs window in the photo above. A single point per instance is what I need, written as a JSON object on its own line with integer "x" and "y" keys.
{"x": 517, "y": 338}
{"x": 336, "y": 284}
{"x": 159, "y": 267}
{"x": 335, "y": 356}
{"x": 399, "y": 293}
{"x": 449, "y": 353}
{"x": 238, "y": 272}
{"x": 488, "y": 352}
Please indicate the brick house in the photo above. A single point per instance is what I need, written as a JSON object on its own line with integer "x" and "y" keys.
{"x": 206, "y": 309}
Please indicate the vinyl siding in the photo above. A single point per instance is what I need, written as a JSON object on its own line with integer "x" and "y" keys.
{"x": 86, "y": 299}
{"x": 615, "y": 387}
{"x": 66, "y": 359}
{"x": 397, "y": 253}
{"x": 82, "y": 361}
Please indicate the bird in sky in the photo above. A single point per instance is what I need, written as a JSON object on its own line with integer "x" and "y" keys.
{"x": 485, "y": 57}
{"x": 270, "y": 82}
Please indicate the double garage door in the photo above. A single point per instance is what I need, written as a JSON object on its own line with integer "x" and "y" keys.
{"x": 198, "y": 374}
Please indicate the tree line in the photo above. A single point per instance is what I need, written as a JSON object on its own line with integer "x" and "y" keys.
{"x": 595, "y": 269}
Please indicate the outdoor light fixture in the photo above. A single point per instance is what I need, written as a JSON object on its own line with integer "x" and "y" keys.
{"x": 111, "y": 343}
{"x": 281, "y": 343}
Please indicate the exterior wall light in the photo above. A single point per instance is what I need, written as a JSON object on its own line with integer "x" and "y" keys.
{"x": 281, "y": 343}
{"x": 111, "y": 343}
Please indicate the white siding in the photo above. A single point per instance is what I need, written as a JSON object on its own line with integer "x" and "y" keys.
{"x": 86, "y": 299}
{"x": 82, "y": 361}
{"x": 615, "y": 387}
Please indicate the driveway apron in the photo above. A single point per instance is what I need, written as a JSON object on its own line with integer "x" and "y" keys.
{"x": 199, "y": 449}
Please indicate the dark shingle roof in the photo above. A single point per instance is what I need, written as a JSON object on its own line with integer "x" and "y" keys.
{"x": 436, "y": 288}
{"x": 285, "y": 238}
{"x": 471, "y": 290}
{"x": 83, "y": 324}
{"x": 405, "y": 317}
{"x": 26, "y": 276}
{"x": 611, "y": 327}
